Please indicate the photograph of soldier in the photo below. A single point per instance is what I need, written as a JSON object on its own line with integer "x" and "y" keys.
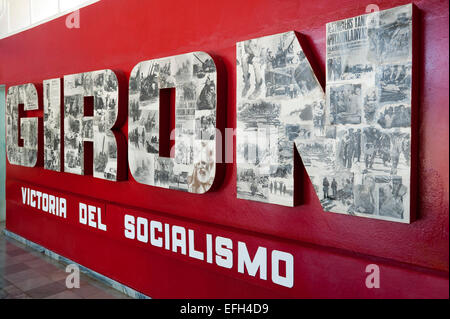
{"x": 370, "y": 105}
{"x": 162, "y": 171}
{"x": 148, "y": 131}
{"x": 189, "y": 91}
{"x": 400, "y": 145}
{"x": 111, "y": 109}
{"x": 134, "y": 138}
{"x": 336, "y": 191}
{"x": 393, "y": 34}
{"x": 87, "y": 130}
{"x": 349, "y": 147}
{"x": 87, "y": 83}
{"x": 147, "y": 82}
{"x": 376, "y": 146}
{"x": 249, "y": 55}
{"x": 395, "y": 116}
{"x": 333, "y": 188}
{"x": 319, "y": 118}
{"x": 384, "y": 152}
{"x": 205, "y": 127}
{"x": 334, "y": 69}
{"x": 394, "y": 82}
{"x": 345, "y": 102}
{"x": 391, "y": 196}
{"x": 253, "y": 185}
{"x": 369, "y": 155}
{"x": 280, "y": 186}
{"x": 134, "y": 110}
{"x": 184, "y": 152}
{"x": 326, "y": 186}
{"x": 364, "y": 196}
{"x": 207, "y": 98}
{"x": 73, "y": 105}
{"x": 111, "y": 81}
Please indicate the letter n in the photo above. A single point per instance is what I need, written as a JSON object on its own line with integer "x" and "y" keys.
{"x": 354, "y": 141}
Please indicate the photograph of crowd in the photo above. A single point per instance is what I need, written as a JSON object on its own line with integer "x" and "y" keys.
{"x": 354, "y": 141}
{"x": 191, "y": 167}
{"x": 103, "y": 87}
{"x": 25, "y": 153}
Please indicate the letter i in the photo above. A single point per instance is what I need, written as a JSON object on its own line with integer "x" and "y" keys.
{"x": 209, "y": 248}
{"x": 167, "y": 237}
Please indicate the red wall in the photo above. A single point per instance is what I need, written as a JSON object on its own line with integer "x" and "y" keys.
{"x": 331, "y": 250}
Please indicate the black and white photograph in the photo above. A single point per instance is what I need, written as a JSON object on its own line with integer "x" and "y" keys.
{"x": 390, "y": 35}
{"x": 336, "y": 191}
{"x": 394, "y": 83}
{"x": 348, "y": 148}
{"x": 252, "y": 184}
{"x": 25, "y": 153}
{"x": 345, "y": 104}
{"x": 191, "y": 167}
{"x": 205, "y": 126}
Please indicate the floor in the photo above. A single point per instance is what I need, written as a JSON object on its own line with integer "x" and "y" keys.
{"x": 27, "y": 274}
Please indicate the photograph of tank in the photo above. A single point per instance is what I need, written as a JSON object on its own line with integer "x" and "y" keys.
{"x": 191, "y": 167}
{"x": 354, "y": 141}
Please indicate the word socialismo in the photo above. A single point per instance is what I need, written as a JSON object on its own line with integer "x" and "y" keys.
{"x": 266, "y": 264}
{"x": 354, "y": 137}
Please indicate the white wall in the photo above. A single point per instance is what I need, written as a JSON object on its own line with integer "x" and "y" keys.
{"x": 20, "y": 15}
